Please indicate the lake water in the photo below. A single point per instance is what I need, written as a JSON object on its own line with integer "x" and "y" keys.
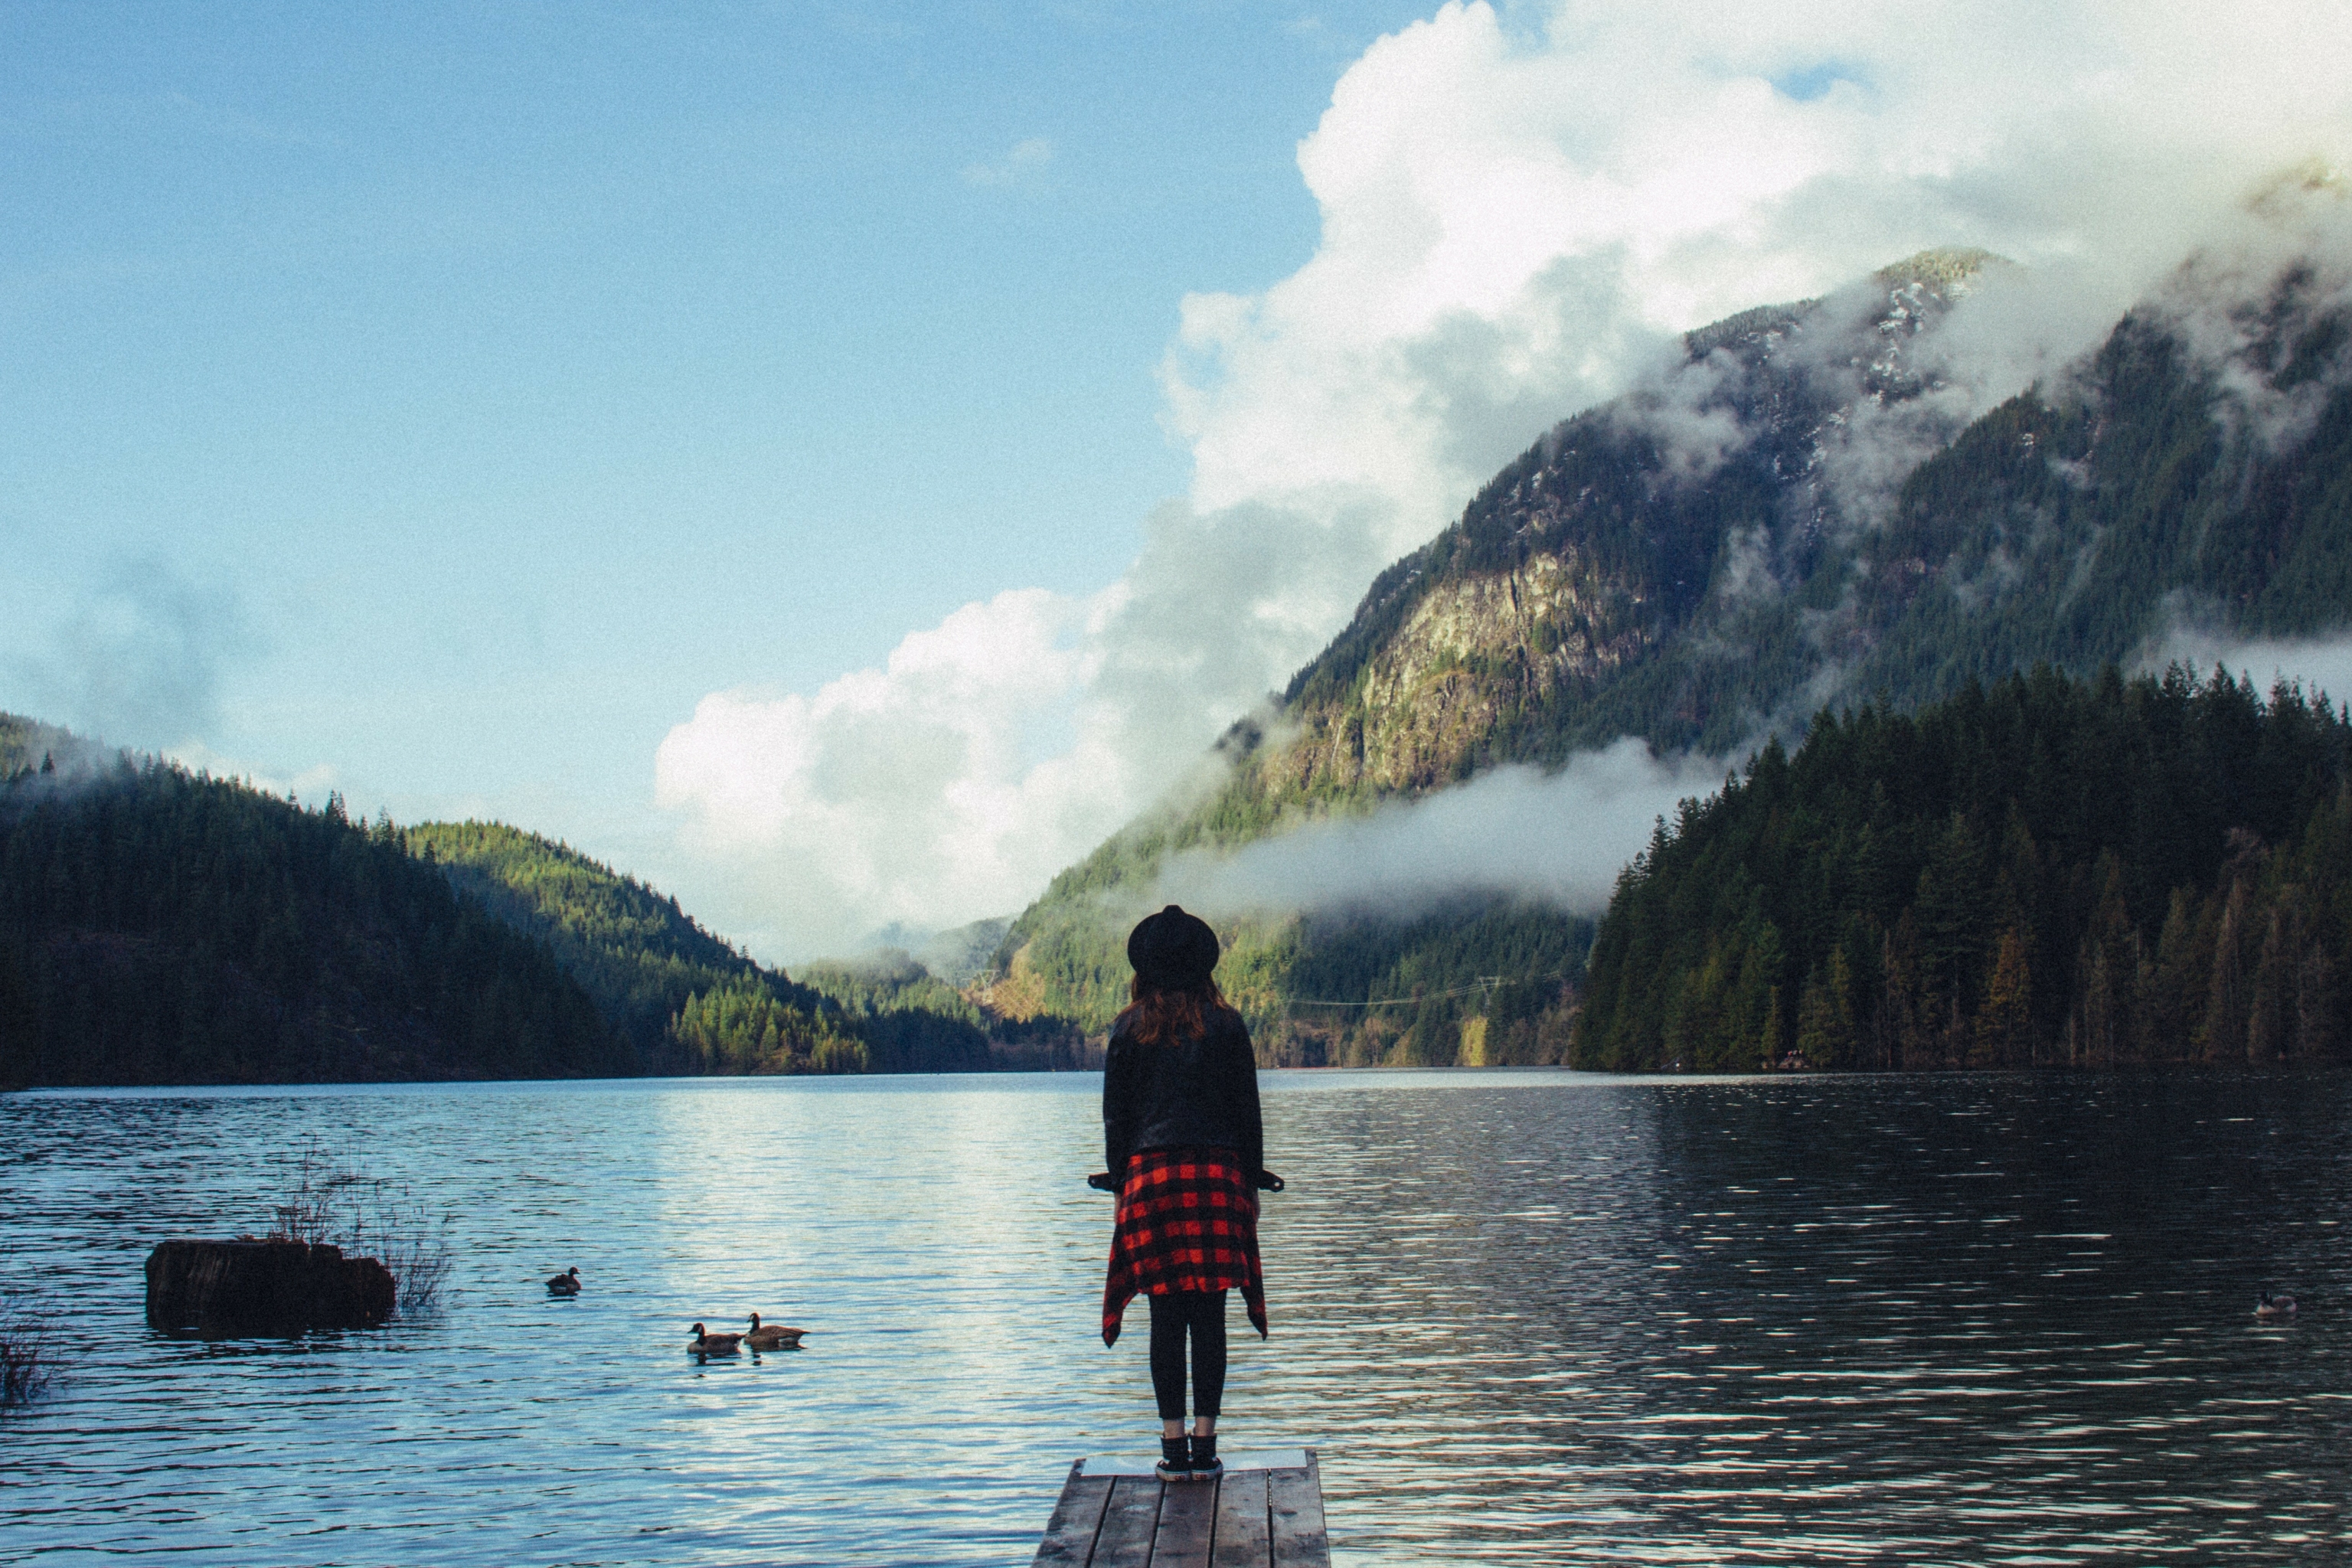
{"x": 1527, "y": 1317}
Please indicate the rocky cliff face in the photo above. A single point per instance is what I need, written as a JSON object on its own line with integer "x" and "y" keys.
{"x": 1677, "y": 511}
{"x": 1472, "y": 651}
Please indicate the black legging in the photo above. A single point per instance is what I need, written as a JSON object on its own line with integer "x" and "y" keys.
{"x": 1203, "y": 1312}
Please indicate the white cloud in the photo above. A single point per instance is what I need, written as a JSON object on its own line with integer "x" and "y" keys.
{"x": 1561, "y": 838}
{"x": 2322, "y": 667}
{"x": 895, "y": 794}
{"x": 1558, "y": 208}
{"x": 138, "y": 661}
{"x": 312, "y": 786}
{"x": 1022, "y": 161}
{"x": 1513, "y": 228}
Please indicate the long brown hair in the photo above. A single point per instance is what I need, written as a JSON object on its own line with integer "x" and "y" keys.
{"x": 1160, "y": 1014}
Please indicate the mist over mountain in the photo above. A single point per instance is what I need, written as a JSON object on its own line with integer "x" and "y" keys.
{"x": 957, "y": 956}
{"x": 1941, "y": 475}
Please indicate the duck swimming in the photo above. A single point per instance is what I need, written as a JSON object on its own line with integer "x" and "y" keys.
{"x": 714, "y": 1345}
{"x": 565, "y": 1284}
{"x": 2269, "y": 1306}
{"x": 775, "y": 1336}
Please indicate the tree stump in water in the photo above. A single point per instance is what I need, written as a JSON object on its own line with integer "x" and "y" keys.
{"x": 227, "y": 1288}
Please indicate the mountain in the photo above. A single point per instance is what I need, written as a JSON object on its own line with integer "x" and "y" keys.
{"x": 957, "y": 955}
{"x": 914, "y": 1020}
{"x": 2048, "y": 872}
{"x": 961, "y": 955}
{"x": 689, "y": 1002}
{"x": 158, "y": 926}
{"x": 1803, "y": 511}
{"x": 686, "y": 1000}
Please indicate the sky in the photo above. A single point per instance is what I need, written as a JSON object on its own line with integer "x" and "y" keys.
{"x": 435, "y": 402}
{"x": 838, "y": 463}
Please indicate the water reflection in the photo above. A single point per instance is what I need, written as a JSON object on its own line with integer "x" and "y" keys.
{"x": 1528, "y": 1317}
{"x": 1923, "y": 1320}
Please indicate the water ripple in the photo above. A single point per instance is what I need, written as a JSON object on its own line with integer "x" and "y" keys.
{"x": 1528, "y": 1318}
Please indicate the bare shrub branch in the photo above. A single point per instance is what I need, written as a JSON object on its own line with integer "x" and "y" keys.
{"x": 328, "y": 1202}
{"x": 26, "y": 1362}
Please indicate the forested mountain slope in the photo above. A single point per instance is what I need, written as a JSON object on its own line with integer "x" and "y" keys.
{"x": 2051, "y": 872}
{"x": 29, "y": 746}
{"x": 685, "y": 1000}
{"x": 162, "y": 926}
{"x": 1794, "y": 516}
{"x": 690, "y": 1002}
{"x": 914, "y": 1021}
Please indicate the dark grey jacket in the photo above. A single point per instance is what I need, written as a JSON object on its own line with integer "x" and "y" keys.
{"x": 1197, "y": 1093}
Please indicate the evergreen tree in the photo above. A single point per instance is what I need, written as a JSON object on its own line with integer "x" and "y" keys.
{"x": 162, "y": 926}
{"x": 2171, "y": 881}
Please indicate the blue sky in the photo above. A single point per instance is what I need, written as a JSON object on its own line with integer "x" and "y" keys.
{"x": 840, "y": 462}
{"x": 489, "y": 383}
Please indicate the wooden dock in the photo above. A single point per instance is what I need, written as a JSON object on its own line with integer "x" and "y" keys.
{"x": 1264, "y": 1511}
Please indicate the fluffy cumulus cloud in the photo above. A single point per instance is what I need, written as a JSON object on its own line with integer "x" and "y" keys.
{"x": 895, "y": 793}
{"x": 1516, "y": 223}
{"x": 1512, "y": 226}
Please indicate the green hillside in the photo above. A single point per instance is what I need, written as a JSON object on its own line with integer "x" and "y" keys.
{"x": 161, "y": 927}
{"x": 1607, "y": 584}
{"x": 915, "y": 1021}
{"x": 2050, "y": 872}
{"x": 687, "y": 1002}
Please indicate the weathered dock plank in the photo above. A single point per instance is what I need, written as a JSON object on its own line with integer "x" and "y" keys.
{"x": 1077, "y": 1517}
{"x": 1266, "y": 1511}
{"x": 1186, "y": 1515}
{"x": 1295, "y": 1513}
{"x": 1243, "y": 1539}
{"x": 1130, "y": 1522}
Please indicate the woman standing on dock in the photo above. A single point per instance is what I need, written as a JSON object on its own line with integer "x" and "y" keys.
{"x": 1186, "y": 1149}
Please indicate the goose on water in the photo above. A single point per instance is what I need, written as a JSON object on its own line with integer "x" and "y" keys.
{"x": 566, "y": 1283}
{"x": 775, "y": 1336}
{"x": 2269, "y": 1306}
{"x": 714, "y": 1345}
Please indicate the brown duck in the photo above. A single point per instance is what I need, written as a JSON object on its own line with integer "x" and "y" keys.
{"x": 774, "y": 1337}
{"x": 714, "y": 1345}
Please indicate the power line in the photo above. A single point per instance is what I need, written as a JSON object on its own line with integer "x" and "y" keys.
{"x": 1483, "y": 983}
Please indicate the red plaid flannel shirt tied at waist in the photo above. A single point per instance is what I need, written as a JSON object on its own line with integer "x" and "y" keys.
{"x": 1187, "y": 1221}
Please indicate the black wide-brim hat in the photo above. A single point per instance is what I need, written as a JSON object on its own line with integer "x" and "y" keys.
{"x": 1172, "y": 950}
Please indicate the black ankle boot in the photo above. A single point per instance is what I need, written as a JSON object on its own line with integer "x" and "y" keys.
{"x": 1173, "y": 1465}
{"x": 1206, "y": 1465}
